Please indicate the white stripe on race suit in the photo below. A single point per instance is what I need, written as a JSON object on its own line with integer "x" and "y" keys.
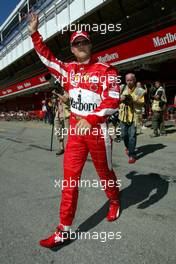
{"x": 103, "y": 112}
{"x": 107, "y": 141}
{"x": 118, "y": 212}
{"x": 65, "y": 228}
{"x": 53, "y": 65}
{"x": 58, "y": 238}
{"x": 113, "y": 94}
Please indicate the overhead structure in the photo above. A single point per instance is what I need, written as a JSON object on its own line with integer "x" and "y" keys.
{"x": 146, "y": 44}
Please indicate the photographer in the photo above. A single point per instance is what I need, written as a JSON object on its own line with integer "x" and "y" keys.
{"x": 114, "y": 120}
{"x": 131, "y": 99}
{"x": 158, "y": 107}
{"x": 61, "y": 111}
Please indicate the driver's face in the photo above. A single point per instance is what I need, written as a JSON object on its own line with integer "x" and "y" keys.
{"x": 81, "y": 48}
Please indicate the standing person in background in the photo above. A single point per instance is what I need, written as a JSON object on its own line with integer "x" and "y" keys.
{"x": 44, "y": 111}
{"x": 93, "y": 97}
{"x": 61, "y": 120}
{"x": 114, "y": 120}
{"x": 138, "y": 109}
{"x": 147, "y": 106}
{"x": 60, "y": 102}
{"x": 59, "y": 125}
{"x": 158, "y": 108}
{"x": 131, "y": 99}
{"x": 175, "y": 100}
{"x": 49, "y": 107}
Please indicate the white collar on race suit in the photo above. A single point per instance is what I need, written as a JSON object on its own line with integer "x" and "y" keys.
{"x": 85, "y": 62}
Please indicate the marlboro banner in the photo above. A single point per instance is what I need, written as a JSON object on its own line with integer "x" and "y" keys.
{"x": 151, "y": 44}
{"x": 26, "y": 85}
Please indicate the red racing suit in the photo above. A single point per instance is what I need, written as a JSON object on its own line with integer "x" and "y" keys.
{"x": 94, "y": 95}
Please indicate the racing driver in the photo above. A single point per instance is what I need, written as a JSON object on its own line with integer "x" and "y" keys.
{"x": 94, "y": 95}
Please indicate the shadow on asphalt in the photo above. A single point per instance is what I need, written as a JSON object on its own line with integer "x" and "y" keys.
{"x": 144, "y": 190}
{"x": 88, "y": 224}
{"x": 94, "y": 219}
{"x": 147, "y": 149}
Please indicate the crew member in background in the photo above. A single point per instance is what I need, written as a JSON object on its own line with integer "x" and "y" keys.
{"x": 44, "y": 111}
{"x": 61, "y": 110}
{"x": 50, "y": 114}
{"x": 139, "y": 109}
{"x": 61, "y": 120}
{"x": 131, "y": 99}
{"x": 158, "y": 108}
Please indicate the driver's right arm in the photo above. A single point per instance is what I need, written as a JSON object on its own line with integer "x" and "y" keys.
{"x": 55, "y": 66}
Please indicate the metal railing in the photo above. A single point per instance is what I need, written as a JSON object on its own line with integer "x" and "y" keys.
{"x": 19, "y": 31}
{"x": 22, "y": 116}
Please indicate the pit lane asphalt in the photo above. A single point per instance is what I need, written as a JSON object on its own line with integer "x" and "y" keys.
{"x": 29, "y": 202}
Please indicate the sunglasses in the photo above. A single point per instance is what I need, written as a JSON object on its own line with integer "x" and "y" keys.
{"x": 84, "y": 42}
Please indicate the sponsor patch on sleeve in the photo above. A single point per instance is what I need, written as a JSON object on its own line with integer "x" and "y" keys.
{"x": 114, "y": 94}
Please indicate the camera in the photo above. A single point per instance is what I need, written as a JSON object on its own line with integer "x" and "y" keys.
{"x": 128, "y": 99}
{"x": 114, "y": 119}
{"x": 58, "y": 89}
{"x": 54, "y": 84}
{"x": 161, "y": 103}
